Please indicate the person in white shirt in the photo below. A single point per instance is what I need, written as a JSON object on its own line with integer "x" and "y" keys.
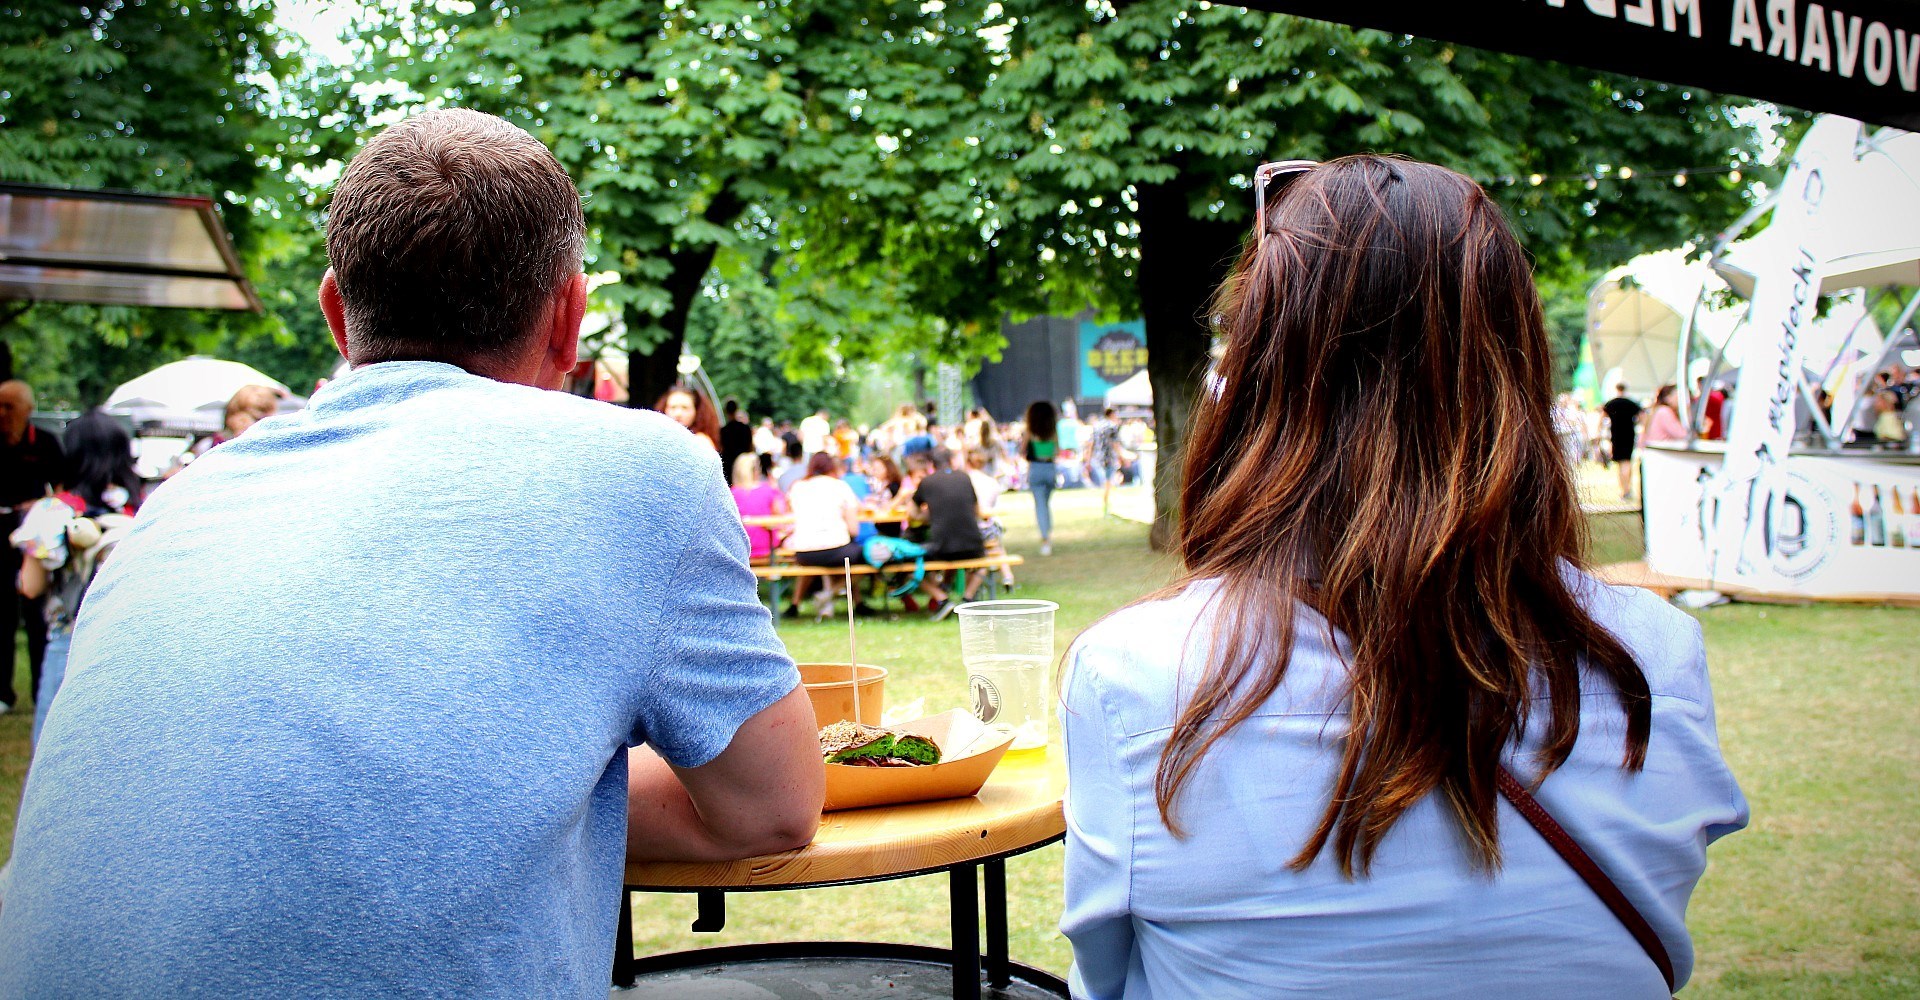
{"x": 814, "y": 432}
{"x": 987, "y": 490}
{"x": 766, "y": 441}
{"x": 826, "y": 516}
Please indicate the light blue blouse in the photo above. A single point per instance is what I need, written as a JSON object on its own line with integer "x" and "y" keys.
{"x": 1219, "y": 914}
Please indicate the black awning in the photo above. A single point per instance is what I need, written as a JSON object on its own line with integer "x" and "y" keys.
{"x": 1857, "y": 58}
{"x": 117, "y": 248}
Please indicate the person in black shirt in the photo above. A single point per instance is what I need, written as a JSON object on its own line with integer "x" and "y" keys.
{"x": 736, "y": 435}
{"x": 1623, "y": 416}
{"x": 953, "y": 517}
{"x": 31, "y": 463}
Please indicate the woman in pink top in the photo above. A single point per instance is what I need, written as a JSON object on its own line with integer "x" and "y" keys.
{"x": 1664, "y": 422}
{"x": 756, "y": 496}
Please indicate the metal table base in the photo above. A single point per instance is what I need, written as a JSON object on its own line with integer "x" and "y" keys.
{"x": 808, "y": 970}
{"x": 968, "y": 973}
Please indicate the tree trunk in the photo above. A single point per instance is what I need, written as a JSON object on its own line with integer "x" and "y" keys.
{"x": 1182, "y": 261}
{"x": 653, "y": 371}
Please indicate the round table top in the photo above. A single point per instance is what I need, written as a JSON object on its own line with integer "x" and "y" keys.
{"x": 1019, "y": 808}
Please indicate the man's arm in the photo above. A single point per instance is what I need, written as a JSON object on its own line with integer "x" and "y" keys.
{"x": 761, "y": 795}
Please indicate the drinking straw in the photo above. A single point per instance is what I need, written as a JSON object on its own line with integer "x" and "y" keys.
{"x": 853, "y": 656}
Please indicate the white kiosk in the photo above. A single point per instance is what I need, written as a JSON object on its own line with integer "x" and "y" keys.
{"x": 1791, "y": 505}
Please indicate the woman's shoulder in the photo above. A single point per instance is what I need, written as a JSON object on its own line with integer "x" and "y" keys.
{"x": 1665, "y": 641}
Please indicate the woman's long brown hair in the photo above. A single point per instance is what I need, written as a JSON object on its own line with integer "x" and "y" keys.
{"x": 1377, "y": 445}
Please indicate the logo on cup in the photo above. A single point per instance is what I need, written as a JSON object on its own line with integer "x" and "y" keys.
{"x": 986, "y": 698}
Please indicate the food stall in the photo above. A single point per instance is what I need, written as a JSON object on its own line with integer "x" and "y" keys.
{"x": 1797, "y": 504}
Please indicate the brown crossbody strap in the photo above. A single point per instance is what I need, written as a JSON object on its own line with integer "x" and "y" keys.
{"x": 1556, "y": 836}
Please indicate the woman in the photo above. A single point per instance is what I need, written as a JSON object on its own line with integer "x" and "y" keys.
{"x": 1283, "y": 767}
{"x": 692, "y": 410}
{"x": 64, "y": 539}
{"x": 1040, "y": 448}
{"x": 1663, "y": 423}
{"x": 756, "y": 496}
{"x": 1889, "y": 427}
{"x": 248, "y": 405}
{"x": 826, "y": 517}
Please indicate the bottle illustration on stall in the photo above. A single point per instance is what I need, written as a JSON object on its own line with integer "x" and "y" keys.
{"x": 1859, "y": 517}
{"x": 1897, "y": 536}
{"x": 1876, "y": 521}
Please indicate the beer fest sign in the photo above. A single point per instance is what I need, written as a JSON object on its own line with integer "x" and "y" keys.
{"x": 1859, "y": 58}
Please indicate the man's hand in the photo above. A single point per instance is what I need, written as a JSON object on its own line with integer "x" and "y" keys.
{"x": 762, "y": 795}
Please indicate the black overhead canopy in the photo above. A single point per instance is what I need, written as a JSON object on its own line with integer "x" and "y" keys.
{"x": 117, "y": 248}
{"x": 1857, "y": 58}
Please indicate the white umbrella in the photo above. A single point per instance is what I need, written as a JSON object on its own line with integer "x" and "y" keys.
{"x": 190, "y": 395}
{"x": 1637, "y": 317}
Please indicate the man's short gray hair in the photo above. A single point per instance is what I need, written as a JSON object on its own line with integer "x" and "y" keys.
{"x": 447, "y": 235}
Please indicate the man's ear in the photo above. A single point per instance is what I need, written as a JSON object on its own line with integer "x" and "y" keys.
{"x": 563, "y": 335}
{"x": 335, "y": 311}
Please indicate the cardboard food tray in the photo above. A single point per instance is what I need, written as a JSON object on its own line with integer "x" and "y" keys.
{"x": 969, "y": 751}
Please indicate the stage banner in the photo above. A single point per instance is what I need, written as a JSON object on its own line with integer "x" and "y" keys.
{"x": 1843, "y": 527}
{"x": 1859, "y": 58}
{"x": 1786, "y": 293}
{"x": 1110, "y": 353}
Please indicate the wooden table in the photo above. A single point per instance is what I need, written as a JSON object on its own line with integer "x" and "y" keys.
{"x": 1017, "y": 811}
{"x": 775, "y": 522}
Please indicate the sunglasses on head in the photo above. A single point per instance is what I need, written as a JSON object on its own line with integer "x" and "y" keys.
{"x": 1287, "y": 171}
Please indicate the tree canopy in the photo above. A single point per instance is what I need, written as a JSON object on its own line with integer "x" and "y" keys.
{"x": 796, "y": 187}
{"x": 169, "y": 97}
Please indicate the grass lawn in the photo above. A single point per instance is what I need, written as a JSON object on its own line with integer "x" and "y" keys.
{"x": 1819, "y": 712}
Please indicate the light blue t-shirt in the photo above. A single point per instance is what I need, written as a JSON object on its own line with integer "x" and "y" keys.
{"x": 1220, "y": 914}
{"x": 348, "y": 711}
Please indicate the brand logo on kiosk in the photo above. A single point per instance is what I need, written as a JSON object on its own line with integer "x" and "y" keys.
{"x": 1803, "y": 528}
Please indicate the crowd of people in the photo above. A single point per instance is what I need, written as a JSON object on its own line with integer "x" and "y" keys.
{"x": 1885, "y": 416}
{"x": 937, "y": 487}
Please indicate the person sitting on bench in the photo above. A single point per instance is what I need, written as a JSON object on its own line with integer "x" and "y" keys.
{"x": 953, "y": 514}
{"x": 826, "y": 516}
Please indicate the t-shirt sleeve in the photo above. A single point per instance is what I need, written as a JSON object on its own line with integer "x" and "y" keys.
{"x": 716, "y": 661}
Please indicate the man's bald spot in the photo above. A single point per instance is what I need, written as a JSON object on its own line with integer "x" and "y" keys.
{"x": 21, "y": 392}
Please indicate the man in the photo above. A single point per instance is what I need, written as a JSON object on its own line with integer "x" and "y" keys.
{"x": 814, "y": 432}
{"x": 31, "y": 462}
{"x": 403, "y": 769}
{"x": 1712, "y": 411}
{"x": 1103, "y": 455}
{"x": 794, "y": 470}
{"x": 736, "y": 435}
{"x": 953, "y": 516}
{"x": 1623, "y": 416}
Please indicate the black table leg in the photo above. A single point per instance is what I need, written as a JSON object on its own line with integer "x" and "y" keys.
{"x": 713, "y": 911}
{"x": 623, "y": 971}
{"x": 965, "y": 903}
{"x": 998, "y": 975}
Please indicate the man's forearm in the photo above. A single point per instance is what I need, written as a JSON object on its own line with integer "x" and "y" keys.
{"x": 662, "y": 823}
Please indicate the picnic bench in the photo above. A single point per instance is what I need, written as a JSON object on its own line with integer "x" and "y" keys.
{"x": 776, "y": 574}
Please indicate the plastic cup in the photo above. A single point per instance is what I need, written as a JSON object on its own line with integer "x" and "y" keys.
{"x": 1007, "y": 647}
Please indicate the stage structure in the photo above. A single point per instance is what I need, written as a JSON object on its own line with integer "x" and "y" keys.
{"x": 1789, "y": 506}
